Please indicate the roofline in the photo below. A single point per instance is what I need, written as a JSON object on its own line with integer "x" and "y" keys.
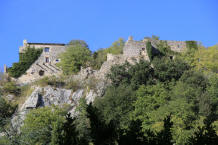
{"x": 60, "y": 44}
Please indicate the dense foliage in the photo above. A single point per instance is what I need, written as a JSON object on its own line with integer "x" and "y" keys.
{"x": 76, "y": 56}
{"x": 162, "y": 102}
{"x": 6, "y": 112}
{"x": 100, "y": 56}
{"x": 27, "y": 58}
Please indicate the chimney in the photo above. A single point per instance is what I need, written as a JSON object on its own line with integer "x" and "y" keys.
{"x": 5, "y": 69}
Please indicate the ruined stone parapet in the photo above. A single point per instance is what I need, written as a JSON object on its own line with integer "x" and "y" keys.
{"x": 177, "y": 46}
{"x": 133, "y": 48}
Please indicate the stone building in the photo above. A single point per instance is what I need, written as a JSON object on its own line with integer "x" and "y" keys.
{"x": 134, "y": 48}
{"x": 46, "y": 63}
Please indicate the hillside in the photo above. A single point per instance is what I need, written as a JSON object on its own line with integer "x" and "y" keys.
{"x": 133, "y": 93}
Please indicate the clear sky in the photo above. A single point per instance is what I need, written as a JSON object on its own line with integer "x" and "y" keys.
{"x": 101, "y": 22}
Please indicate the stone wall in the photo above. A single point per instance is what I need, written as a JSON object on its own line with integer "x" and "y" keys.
{"x": 134, "y": 48}
{"x": 46, "y": 63}
{"x": 177, "y": 46}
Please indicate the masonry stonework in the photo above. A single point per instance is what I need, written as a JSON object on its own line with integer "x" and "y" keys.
{"x": 133, "y": 51}
{"x": 134, "y": 48}
{"x": 45, "y": 65}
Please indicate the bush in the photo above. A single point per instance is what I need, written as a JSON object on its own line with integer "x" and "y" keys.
{"x": 191, "y": 45}
{"x": 43, "y": 126}
{"x": 26, "y": 60}
{"x": 6, "y": 112}
{"x": 51, "y": 81}
{"x": 133, "y": 75}
{"x": 11, "y": 87}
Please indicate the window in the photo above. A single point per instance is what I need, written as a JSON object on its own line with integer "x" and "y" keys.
{"x": 41, "y": 72}
{"x": 171, "y": 57}
{"x": 46, "y": 49}
{"x": 47, "y": 59}
{"x": 143, "y": 49}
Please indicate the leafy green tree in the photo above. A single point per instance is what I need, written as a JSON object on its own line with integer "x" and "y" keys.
{"x": 100, "y": 56}
{"x": 167, "y": 70}
{"x": 116, "y": 105}
{"x": 83, "y": 122}
{"x": 101, "y": 133}
{"x": 119, "y": 74}
{"x": 43, "y": 126}
{"x": 205, "y": 135}
{"x": 149, "y": 98}
{"x": 6, "y": 112}
{"x": 207, "y": 59}
{"x": 135, "y": 75}
{"x": 76, "y": 56}
{"x": 191, "y": 45}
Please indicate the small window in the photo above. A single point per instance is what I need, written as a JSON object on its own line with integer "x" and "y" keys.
{"x": 47, "y": 60}
{"x": 47, "y": 49}
{"x": 171, "y": 57}
{"x": 143, "y": 49}
{"x": 57, "y": 60}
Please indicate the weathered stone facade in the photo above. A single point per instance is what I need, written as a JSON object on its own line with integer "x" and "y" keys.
{"x": 134, "y": 48}
{"x": 46, "y": 63}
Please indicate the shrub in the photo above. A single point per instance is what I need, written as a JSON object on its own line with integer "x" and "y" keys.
{"x": 11, "y": 87}
{"x": 191, "y": 45}
{"x": 51, "y": 81}
{"x": 26, "y": 60}
{"x": 6, "y": 111}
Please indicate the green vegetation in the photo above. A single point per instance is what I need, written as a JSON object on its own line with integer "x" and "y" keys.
{"x": 76, "y": 56}
{"x": 164, "y": 101}
{"x": 6, "y": 112}
{"x": 191, "y": 45}
{"x": 27, "y": 58}
{"x": 100, "y": 56}
{"x": 11, "y": 88}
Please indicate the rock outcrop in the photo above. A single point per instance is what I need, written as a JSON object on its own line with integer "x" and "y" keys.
{"x": 49, "y": 96}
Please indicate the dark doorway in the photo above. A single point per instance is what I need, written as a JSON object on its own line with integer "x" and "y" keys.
{"x": 41, "y": 72}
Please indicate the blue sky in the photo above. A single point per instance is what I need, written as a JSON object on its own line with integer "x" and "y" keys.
{"x": 101, "y": 22}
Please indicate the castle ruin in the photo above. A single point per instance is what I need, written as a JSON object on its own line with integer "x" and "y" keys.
{"x": 45, "y": 65}
{"x": 134, "y": 48}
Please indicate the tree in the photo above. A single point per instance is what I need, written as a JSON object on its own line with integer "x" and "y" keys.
{"x": 205, "y": 135}
{"x": 101, "y": 133}
{"x": 43, "y": 126}
{"x": 207, "y": 59}
{"x": 116, "y": 105}
{"x": 167, "y": 70}
{"x": 135, "y": 75}
{"x": 100, "y": 56}
{"x": 6, "y": 112}
{"x": 77, "y": 55}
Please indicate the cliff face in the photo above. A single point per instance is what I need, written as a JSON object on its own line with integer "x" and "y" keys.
{"x": 48, "y": 96}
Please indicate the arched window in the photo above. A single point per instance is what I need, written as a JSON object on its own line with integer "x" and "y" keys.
{"x": 41, "y": 72}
